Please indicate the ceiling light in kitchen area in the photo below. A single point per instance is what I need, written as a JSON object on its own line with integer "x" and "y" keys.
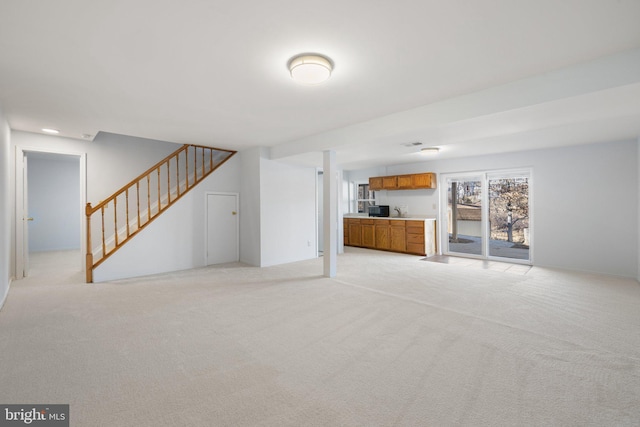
{"x": 429, "y": 151}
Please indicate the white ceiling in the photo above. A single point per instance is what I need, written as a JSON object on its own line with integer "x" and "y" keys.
{"x": 472, "y": 77}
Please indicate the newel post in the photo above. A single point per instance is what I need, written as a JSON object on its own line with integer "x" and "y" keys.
{"x": 89, "y": 262}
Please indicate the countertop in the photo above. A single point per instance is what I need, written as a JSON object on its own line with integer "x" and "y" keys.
{"x": 409, "y": 218}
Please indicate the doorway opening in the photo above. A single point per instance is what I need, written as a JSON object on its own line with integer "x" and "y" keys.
{"x": 488, "y": 215}
{"x": 50, "y": 198}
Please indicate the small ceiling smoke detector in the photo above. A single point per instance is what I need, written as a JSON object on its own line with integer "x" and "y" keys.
{"x": 310, "y": 69}
{"x": 429, "y": 150}
{"x": 51, "y": 131}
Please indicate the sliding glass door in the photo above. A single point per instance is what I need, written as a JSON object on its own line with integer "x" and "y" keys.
{"x": 464, "y": 213}
{"x": 487, "y": 215}
{"x": 509, "y": 216}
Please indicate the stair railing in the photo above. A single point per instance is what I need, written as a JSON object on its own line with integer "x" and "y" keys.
{"x": 134, "y": 206}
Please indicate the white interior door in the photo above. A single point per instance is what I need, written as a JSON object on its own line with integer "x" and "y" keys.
{"x": 222, "y": 228}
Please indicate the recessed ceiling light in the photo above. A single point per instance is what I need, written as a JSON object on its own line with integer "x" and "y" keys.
{"x": 52, "y": 131}
{"x": 429, "y": 150}
{"x": 310, "y": 69}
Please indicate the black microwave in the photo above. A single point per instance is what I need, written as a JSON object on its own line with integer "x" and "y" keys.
{"x": 381, "y": 210}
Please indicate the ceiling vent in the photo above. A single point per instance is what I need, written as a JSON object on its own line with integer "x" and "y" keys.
{"x": 411, "y": 144}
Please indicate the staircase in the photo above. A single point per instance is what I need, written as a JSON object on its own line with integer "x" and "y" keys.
{"x": 117, "y": 219}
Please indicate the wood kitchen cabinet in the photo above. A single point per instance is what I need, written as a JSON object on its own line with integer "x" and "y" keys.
{"x": 405, "y": 182}
{"x": 383, "y": 240}
{"x": 375, "y": 183}
{"x": 413, "y": 236}
{"x": 355, "y": 232}
{"x": 424, "y": 180}
{"x": 389, "y": 182}
{"x": 414, "y": 181}
{"x": 398, "y": 240}
{"x": 368, "y": 233}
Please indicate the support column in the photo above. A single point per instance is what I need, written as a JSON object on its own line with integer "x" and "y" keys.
{"x": 330, "y": 211}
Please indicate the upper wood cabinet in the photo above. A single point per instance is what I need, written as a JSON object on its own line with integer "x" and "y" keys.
{"x": 412, "y": 181}
{"x": 424, "y": 180}
{"x": 389, "y": 182}
{"x": 405, "y": 182}
{"x": 375, "y": 183}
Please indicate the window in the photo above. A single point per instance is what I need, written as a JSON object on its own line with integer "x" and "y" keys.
{"x": 365, "y": 198}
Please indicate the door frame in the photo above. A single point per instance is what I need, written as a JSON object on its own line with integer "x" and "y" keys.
{"x": 206, "y": 222}
{"x": 20, "y": 215}
{"x": 485, "y": 175}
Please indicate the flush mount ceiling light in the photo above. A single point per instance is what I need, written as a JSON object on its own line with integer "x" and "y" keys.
{"x": 51, "y": 131}
{"x": 310, "y": 69}
{"x": 429, "y": 151}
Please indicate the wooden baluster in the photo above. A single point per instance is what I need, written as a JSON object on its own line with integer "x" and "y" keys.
{"x": 138, "y": 202}
{"x": 159, "y": 199}
{"x": 126, "y": 195}
{"x": 168, "y": 184}
{"x": 195, "y": 165}
{"x": 202, "y": 162}
{"x": 89, "y": 259}
{"x": 210, "y": 160}
{"x": 115, "y": 220}
{"x": 178, "y": 175}
{"x": 186, "y": 163}
{"x": 104, "y": 246}
{"x": 148, "y": 199}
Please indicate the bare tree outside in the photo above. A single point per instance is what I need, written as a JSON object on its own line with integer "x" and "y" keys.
{"x": 509, "y": 209}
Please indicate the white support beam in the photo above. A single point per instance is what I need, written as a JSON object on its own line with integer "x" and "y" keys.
{"x": 330, "y": 211}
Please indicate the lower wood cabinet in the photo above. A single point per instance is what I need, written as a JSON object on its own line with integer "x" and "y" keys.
{"x": 383, "y": 240}
{"x": 406, "y": 236}
{"x": 397, "y": 234}
{"x": 368, "y": 233}
{"x": 355, "y": 232}
{"x": 415, "y": 237}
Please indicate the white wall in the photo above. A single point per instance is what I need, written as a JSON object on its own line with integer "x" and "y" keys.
{"x": 54, "y": 202}
{"x": 5, "y": 209}
{"x": 585, "y": 202}
{"x": 176, "y": 239}
{"x": 277, "y": 210}
{"x": 287, "y": 212}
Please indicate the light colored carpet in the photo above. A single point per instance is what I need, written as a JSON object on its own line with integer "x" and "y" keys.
{"x": 393, "y": 341}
